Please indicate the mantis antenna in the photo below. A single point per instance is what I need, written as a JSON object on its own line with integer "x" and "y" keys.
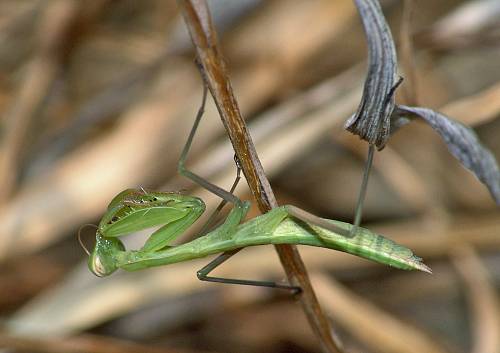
{"x": 80, "y": 236}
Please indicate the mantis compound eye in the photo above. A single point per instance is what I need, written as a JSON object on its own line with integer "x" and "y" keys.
{"x": 98, "y": 268}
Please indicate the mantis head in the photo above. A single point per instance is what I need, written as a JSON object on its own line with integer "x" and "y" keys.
{"x": 102, "y": 260}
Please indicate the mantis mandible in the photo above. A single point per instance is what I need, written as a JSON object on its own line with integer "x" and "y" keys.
{"x": 136, "y": 209}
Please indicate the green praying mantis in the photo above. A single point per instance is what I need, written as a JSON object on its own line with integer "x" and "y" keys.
{"x": 136, "y": 209}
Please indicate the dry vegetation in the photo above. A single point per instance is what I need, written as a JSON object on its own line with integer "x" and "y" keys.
{"x": 99, "y": 96}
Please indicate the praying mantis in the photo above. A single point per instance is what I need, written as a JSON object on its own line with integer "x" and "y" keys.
{"x": 136, "y": 209}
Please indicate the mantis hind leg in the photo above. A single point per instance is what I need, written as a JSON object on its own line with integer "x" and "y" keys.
{"x": 362, "y": 191}
{"x": 366, "y": 172}
{"x": 203, "y": 275}
{"x": 305, "y": 216}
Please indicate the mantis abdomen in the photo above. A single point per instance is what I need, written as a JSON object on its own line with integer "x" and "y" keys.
{"x": 364, "y": 243}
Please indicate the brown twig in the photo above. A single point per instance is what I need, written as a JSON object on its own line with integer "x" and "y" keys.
{"x": 198, "y": 20}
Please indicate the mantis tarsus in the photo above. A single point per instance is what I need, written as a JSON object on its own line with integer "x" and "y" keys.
{"x": 135, "y": 209}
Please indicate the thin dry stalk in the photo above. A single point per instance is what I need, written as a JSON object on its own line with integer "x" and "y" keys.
{"x": 199, "y": 23}
{"x": 410, "y": 87}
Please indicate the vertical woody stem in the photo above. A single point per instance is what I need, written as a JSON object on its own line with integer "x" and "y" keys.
{"x": 203, "y": 35}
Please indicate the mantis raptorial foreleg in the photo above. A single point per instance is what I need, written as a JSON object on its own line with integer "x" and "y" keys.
{"x": 228, "y": 225}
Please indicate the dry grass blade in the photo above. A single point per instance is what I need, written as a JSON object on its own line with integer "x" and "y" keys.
{"x": 469, "y": 25}
{"x": 378, "y": 329}
{"x": 57, "y": 35}
{"x": 79, "y": 344}
{"x": 480, "y": 108}
{"x": 202, "y": 33}
{"x": 99, "y": 109}
{"x": 483, "y": 300}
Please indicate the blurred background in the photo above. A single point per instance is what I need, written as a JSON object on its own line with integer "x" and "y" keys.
{"x": 99, "y": 96}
